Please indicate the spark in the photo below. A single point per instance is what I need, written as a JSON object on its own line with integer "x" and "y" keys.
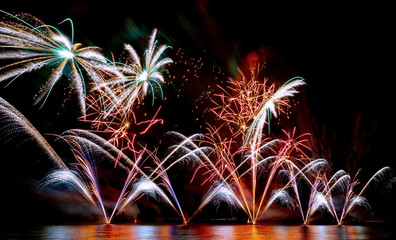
{"x": 66, "y": 54}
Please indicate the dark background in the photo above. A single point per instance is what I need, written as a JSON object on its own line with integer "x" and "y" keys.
{"x": 345, "y": 52}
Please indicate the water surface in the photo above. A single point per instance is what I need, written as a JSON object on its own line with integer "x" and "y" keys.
{"x": 204, "y": 232}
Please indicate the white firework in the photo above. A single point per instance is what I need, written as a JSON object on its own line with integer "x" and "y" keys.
{"x": 141, "y": 76}
{"x": 254, "y": 133}
{"x": 41, "y": 45}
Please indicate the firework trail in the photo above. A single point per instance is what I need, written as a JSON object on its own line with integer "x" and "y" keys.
{"x": 246, "y": 104}
{"x": 353, "y": 199}
{"x": 320, "y": 197}
{"x": 84, "y": 178}
{"x": 137, "y": 182}
{"x": 228, "y": 178}
{"x": 186, "y": 150}
{"x": 328, "y": 189}
{"x": 36, "y": 45}
{"x": 139, "y": 187}
{"x": 100, "y": 148}
{"x": 323, "y": 192}
{"x": 295, "y": 176}
{"x": 281, "y": 196}
{"x": 318, "y": 200}
{"x": 292, "y": 150}
{"x": 121, "y": 129}
{"x": 222, "y": 192}
{"x": 165, "y": 181}
{"x": 121, "y": 199}
{"x": 14, "y": 124}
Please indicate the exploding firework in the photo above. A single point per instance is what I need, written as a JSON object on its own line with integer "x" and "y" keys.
{"x": 121, "y": 129}
{"x": 244, "y": 107}
{"x": 140, "y": 78}
{"x": 113, "y": 106}
{"x": 36, "y": 45}
{"x": 229, "y": 179}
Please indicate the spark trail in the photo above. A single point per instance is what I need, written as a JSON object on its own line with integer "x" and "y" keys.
{"x": 15, "y": 124}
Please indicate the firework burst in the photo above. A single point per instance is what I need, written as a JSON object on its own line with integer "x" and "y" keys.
{"x": 140, "y": 78}
{"x": 121, "y": 129}
{"x": 35, "y": 45}
{"x": 244, "y": 107}
{"x": 246, "y": 104}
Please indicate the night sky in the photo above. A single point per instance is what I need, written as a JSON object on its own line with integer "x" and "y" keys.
{"x": 345, "y": 53}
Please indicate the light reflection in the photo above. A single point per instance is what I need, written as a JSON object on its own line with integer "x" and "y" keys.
{"x": 145, "y": 232}
{"x": 208, "y": 232}
{"x": 222, "y": 232}
{"x": 286, "y": 232}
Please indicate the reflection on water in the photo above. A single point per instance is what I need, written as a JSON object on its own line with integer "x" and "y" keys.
{"x": 204, "y": 232}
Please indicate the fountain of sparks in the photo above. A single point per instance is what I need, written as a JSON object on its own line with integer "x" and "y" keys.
{"x": 247, "y": 104}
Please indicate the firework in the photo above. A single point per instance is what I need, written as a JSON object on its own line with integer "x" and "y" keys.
{"x": 36, "y": 45}
{"x": 353, "y": 199}
{"x": 113, "y": 105}
{"x": 84, "y": 178}
{"x": 240, "y": 100}
{"x": 324, "y": 191}
{"x": 317, "y": 201}
{"x": 296, "y": 176}
{"x": 229, "y": 179}
{"x": 121, "y": 129}
{"x": 140, "y": 77}
{"x": 165, "y": 181}
{"x": 239, "y": 163}
{"x": 138, "y": 182}
{"x": 254, "y": 132}
{"x": 139, "y": 187}
{"x": 246, "y": 104}
{"x": 244, "y": 107}
{"x": 186, "y": 150}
